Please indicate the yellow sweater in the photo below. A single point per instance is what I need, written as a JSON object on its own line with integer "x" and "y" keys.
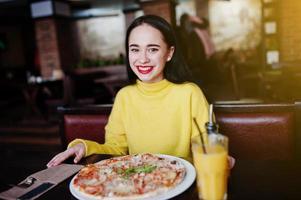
{"x": 154, "y": 118}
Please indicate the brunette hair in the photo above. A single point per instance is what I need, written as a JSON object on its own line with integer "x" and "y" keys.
{"x": 175, "y": 70}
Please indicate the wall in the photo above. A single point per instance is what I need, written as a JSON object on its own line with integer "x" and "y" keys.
{"x": 162, "y": 8}
{"x": 290, "y": 29}
{"x": 235, "y": 24}
{"x": 185, "y": 6}
{"x": 13, "y": 56}
{"x": 101, "y": 37}
{"x": 67, "y": 43}
{"x": 47, "y": 43}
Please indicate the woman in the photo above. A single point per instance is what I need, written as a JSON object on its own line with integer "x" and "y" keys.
{"x": 155, "y": 112}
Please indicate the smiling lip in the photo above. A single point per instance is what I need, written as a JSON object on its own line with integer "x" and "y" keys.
{"x": 145, "y": 69}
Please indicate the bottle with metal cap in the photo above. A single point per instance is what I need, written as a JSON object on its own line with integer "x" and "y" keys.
{"x": 212, "y": 128}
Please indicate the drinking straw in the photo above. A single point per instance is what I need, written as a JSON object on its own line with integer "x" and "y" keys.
{"x": 210, "y": 113}
{"x": 202, "y": 139}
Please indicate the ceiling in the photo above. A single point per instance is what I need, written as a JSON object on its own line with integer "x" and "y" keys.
{"x": 17, "y": 9}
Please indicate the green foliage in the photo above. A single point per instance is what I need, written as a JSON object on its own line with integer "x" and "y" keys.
{"x": 88, "y": 63}
{"x": 134, "y": 170}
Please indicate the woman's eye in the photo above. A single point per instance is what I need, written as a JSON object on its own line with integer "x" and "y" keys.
{"x": 153, "y": 50}
{"x": 134, "y": 50}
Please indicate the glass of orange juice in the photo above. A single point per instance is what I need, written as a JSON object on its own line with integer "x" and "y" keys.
{"x": 211, "y": 167}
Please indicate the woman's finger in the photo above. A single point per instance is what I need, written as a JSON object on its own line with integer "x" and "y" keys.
{"x": 78, "y": 156}
{"x": 59, "y": 158}
{"x": 52, "y": 162}
{"x": 231, "y": 162}
{"x": 79, "y": 153}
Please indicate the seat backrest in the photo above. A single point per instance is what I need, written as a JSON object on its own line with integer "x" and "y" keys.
{"x": 86, "y": 122}
{"x": 258, "y": 131}
{"x": 255, "y": 131}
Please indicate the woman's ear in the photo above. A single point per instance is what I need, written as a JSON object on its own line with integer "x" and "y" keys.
{"x": 170, "y": 53}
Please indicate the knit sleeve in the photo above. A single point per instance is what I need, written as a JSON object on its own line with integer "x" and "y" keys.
{"x": 199, "y": 109}
{"x": 115, "y": 138}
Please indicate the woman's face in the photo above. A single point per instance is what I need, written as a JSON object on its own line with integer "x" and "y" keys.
{"x": 148, "y": 53}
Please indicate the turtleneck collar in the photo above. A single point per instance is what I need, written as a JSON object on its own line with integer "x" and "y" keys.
{"x": 153, "y": 88}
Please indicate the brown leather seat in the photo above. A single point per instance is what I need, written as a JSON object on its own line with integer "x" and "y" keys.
{"x": 256, "y": 131}
{"x": 90, "y": 127}
{"x": 83, "y": 122}
{"x": 262, "y": 131}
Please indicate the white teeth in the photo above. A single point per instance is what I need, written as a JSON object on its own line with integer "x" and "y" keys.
{"x": 144, "y": 68}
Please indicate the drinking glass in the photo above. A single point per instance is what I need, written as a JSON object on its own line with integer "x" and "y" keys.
{"x": 211, "y": 165}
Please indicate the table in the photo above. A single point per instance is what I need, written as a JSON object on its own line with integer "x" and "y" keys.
{"x": 249, "y": 179}
{"x": 113, "y": 82}
{"x": 31, "y": 91}
{"x": 111, "y": 77}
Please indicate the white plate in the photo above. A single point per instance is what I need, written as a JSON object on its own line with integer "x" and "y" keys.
{"x": 184, "y": 185}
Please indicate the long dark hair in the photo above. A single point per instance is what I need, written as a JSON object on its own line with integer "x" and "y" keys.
{"x": 175, "y": 70}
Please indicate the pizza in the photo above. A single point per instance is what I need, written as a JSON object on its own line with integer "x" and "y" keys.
{"x": 129, "y": 177}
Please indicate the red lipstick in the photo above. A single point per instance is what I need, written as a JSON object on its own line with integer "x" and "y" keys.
{"x": 145, "y": 69}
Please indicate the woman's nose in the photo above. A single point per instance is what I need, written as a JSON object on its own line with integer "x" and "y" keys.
{"x": 143, "y": 58}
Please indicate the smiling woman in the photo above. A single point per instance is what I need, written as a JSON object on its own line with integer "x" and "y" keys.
{"x": 148, "y": 53}
{"x": 154, "y": 113}
{"x": 162, "y": 45}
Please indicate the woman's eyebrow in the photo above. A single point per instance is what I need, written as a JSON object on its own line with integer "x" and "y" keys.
{"x": 153, "y": 45}
{"x": 133, "y": 45}
{"x": 149, "y": 45}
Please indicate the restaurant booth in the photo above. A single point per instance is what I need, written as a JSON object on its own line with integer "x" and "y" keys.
{"x": 63, "y": 68}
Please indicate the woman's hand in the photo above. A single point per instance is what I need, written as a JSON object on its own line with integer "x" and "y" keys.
{"x": 78, "y": 151}
{"x": 231, "y": 162}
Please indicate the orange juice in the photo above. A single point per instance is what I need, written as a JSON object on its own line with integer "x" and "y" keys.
{"x": 211, "y": 171}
